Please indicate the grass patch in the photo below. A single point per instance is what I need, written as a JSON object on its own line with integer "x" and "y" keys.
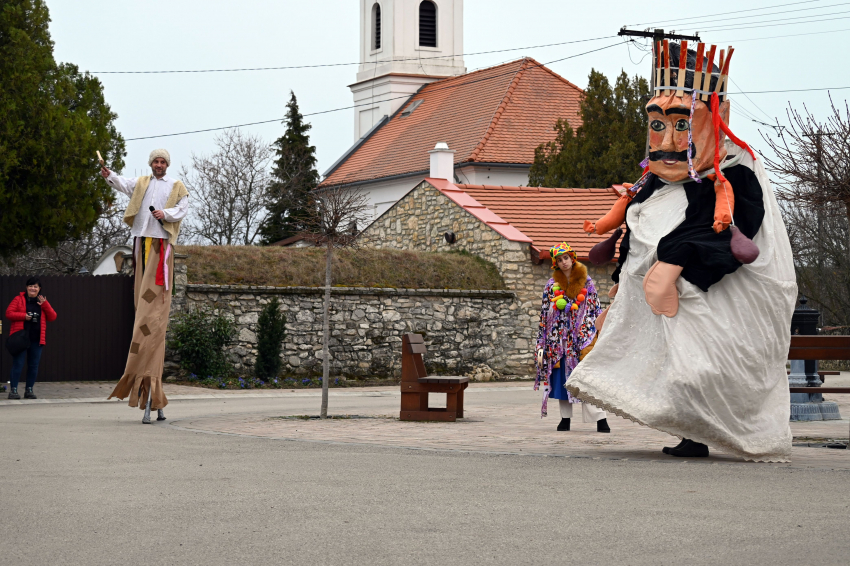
{"x": 305, "y": 267}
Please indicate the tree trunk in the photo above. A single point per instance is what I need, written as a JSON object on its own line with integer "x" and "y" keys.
{"x": 326, "y": 331}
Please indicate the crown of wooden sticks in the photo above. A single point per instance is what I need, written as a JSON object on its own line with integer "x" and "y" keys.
{"x": 679, "y": 71}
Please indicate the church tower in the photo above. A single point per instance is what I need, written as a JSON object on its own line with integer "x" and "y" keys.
{"x": 403, "y": 45}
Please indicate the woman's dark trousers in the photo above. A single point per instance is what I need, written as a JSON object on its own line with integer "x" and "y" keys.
{"x": 32, "y": 355}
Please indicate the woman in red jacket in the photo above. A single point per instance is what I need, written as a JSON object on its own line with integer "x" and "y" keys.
{"x": 29, "y": 312}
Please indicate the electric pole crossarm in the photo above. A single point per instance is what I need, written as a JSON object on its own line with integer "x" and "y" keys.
{"x": 656, "y": 34}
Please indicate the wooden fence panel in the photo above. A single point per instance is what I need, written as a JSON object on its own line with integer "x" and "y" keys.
{"x": 91, "y": 335}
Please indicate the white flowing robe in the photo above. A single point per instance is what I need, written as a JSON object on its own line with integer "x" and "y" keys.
{"x": 714, "y": 373}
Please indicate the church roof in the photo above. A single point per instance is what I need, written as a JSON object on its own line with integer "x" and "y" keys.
{"x": 495, "y": 115}
{"x": 539, "y": 216}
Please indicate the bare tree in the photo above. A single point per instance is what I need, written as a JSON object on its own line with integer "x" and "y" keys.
{"x": 335, "y": 217}
{"x": 812, "y": 169}
{"x": 228, "y": 190}
{"x": 70, "y": 256}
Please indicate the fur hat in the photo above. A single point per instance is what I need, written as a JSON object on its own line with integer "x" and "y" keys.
{"x": 160, "y": 153}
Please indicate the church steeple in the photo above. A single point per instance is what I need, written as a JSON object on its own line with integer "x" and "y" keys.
{"x": 403, "y": 45}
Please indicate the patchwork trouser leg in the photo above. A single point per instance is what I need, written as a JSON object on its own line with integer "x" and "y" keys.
{"x": 143, "y": 373}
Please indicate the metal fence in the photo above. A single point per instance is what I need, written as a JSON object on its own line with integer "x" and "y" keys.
{"x": 91, "y": 335}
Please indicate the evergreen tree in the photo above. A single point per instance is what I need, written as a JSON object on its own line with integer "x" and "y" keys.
{"x": 271, "y": 330}
{"x": 294, "y": 176}
{"x": 52, "y": 120}
{"x": 609, "y": 145}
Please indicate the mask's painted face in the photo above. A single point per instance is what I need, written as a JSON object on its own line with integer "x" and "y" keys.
{"x": 668, "y": 136}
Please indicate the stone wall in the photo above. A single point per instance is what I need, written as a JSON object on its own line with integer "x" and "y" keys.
{"x": 461, "y": 328}
{"x": 418, "y": 222}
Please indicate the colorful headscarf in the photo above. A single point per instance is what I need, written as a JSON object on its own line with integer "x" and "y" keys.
{"x": 561, "y": 249}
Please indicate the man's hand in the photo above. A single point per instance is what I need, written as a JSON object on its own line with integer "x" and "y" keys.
{"x": 659, "y": 285}
{"x": 29, "y": 317}
{"x": 158, "y": 214}
{"x": 105, "y": 173}
{"x": 41, "y": 299}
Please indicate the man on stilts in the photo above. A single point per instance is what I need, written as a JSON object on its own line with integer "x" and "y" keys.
{"x": 158, "y": 204}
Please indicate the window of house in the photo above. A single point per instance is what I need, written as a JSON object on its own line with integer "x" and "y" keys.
{"x": 376, "y": 26}
{"x": 427, "y": 24}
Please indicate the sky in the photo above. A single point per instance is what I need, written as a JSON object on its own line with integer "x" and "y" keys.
{"x": 135, "y": 35}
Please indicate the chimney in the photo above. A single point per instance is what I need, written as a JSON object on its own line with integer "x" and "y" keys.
{"x": 442, "y": 162}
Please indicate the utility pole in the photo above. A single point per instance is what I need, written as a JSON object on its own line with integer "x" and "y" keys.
{"x": 656, "y": 35}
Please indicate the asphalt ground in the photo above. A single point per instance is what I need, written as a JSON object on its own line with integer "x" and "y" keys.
{"x": 86, "y": 483}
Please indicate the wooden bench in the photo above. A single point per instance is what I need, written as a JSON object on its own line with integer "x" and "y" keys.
{"x": 416, "y": 385}
{"x": 819, "y": 348}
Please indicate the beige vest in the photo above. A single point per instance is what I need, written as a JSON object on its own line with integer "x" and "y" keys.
{"x": 178, "y": 191}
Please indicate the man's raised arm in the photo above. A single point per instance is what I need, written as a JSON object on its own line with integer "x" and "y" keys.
{"x": 122, "y": 184}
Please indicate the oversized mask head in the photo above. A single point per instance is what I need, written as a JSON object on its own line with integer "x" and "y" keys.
{"x": 681, "y": 130}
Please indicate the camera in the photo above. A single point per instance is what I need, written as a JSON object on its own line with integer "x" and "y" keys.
{"x": 34, "y": 316}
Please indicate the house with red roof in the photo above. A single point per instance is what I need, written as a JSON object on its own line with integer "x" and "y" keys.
{"x": 413, "y": 91}
{"x": 512, "y": 227}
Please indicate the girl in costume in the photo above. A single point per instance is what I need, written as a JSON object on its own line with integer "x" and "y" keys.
{"x": 567, "y": 326}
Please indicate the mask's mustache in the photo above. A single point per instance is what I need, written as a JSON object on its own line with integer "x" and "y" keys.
{"x": 672, "y": 155}
{"x": 668, "y": 155}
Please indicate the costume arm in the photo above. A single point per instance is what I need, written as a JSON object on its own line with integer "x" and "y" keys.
{"x": 49, "y": 313}
{"x": 588, "y": 326}
{"x": 178, "y": 212}
{"x": 13, "y": 313}
{"x": 122, "y": 184}
{"x": 541, "y": 330}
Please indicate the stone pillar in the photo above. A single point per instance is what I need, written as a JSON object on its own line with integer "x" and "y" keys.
{"x": 804, "y": 373}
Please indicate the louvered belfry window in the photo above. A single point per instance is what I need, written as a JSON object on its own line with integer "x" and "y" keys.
{"x": 376, "y": 26}
{"x": 427, "y": 24}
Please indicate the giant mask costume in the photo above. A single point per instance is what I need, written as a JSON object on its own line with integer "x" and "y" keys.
{"x": 696, "y": 339}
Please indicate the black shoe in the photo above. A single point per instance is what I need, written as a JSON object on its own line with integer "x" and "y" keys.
{"x": 28, "y": 394}
{"x": 13, "y": 394}
{"x": 667, "y": 449}
{"x": 564, "y": 424}
{"x": 602, "y": 426}
{"x": 160, "y": 416}
{"x": 690, "y": 449}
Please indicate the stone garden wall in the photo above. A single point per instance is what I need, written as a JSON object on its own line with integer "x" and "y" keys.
{"x": 461, "y": 328}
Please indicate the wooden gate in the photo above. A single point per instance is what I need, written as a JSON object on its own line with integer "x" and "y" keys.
{"x": 91, "y": 335}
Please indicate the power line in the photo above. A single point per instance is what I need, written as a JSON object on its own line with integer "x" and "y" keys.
{"x": 376, "y": 102}
{"x": 750, "y": 99}
{"x": 724, "y": 13}
{"x": 780, "y": 36}
{"x": 348, "y": 64}
{"x": 798, "y": 18}
{"x": 690, "y": 24}
{"x": 790, "y": 90}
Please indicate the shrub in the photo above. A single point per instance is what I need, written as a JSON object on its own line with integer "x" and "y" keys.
{"x": 271, "y": 330}
{"x": 199, "y": 337}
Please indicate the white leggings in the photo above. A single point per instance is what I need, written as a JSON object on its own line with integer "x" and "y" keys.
{"x": 589, "y": 413}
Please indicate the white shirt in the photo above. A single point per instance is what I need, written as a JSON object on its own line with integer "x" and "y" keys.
{"x": 144, "y": 224}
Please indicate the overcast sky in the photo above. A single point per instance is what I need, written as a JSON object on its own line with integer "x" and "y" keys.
{"x": 135, "y": 35}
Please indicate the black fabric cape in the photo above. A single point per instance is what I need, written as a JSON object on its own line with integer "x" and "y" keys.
{"x": 705, "y": 256}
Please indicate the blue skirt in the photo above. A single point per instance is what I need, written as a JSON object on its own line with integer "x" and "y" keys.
{"x": 558, "y": 381}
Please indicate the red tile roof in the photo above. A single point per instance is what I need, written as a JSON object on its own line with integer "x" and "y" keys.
{"x": 495, "y": 115}
{"x": 539, "y": 216}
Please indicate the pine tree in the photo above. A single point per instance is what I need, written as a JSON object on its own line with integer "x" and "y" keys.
{"x": 609, "y": 145}
{"x": 294, "y": 176}
{"x": 52, "y": 120}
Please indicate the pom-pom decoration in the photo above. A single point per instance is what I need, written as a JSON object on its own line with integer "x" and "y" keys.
{"x": 580, "y": 299}
{"x": 574, "y": 307}
{"x": 559, "y": 293}
{"x": 561, "y": 304}
{"x": 556, "y": 287}
{"x": 583, "y": 291}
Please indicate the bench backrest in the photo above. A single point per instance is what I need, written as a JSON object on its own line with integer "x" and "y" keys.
{"x": 819, "y": 348}
{"x": 412, "y": 365}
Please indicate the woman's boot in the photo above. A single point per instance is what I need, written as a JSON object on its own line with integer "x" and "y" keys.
{"x": 28, "y": 394}
{"x": 13, "y": 394}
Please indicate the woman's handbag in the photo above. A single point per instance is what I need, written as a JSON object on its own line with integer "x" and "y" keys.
{"x": 18, "y": 342}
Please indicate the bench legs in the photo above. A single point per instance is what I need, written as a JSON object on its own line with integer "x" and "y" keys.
{"x": 414, "y": 407}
